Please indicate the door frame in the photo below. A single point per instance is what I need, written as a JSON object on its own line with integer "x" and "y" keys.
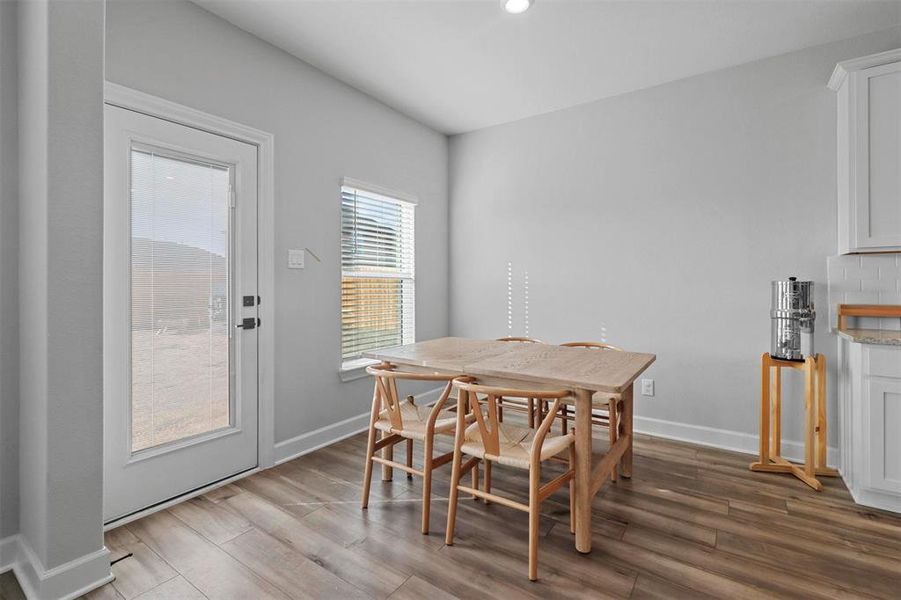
{"x": 154, "y": 106}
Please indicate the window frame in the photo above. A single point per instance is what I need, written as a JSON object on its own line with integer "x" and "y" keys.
{"x": 355, "y": 368}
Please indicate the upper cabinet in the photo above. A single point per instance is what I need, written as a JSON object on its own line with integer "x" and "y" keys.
{"x": 869, "y": 152}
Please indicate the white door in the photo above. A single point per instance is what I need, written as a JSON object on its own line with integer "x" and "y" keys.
{"x": 180, "y": 310}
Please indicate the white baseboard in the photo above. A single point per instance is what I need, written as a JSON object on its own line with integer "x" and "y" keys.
{"x": 325, "y": 436}
{"x": 877, "y": 499}
{"x": 721, "y": 438}
{"x": 65, "y": 582}
{"x": 724, "y": 439}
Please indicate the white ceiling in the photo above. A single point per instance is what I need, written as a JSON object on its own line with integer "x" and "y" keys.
{"x": 466, "y": 64}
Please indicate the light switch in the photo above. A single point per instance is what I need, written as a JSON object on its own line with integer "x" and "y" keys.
{"x": 296, "y": 258}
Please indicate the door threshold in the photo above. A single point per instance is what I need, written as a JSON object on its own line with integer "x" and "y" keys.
{"x": 178, "y": 499}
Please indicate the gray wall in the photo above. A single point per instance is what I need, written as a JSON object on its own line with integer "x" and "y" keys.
{"x": 9, "y": 295}
{"x": 324, "y": 130}
{"x": 657, "y": 219}
{"x": 60, "y": 226}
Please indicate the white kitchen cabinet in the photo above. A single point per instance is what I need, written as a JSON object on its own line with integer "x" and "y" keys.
{"x": 883, "y": 422}
{"x": 870, "y": 409}
{"x": 869, "y": 152}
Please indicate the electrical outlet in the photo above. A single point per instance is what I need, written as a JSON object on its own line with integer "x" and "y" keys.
{"x": 647, "y": 387}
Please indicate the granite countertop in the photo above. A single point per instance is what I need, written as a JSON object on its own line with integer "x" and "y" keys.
{"x": 871, "y": 336}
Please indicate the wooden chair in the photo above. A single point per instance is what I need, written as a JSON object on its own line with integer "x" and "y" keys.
{"x": 488, "y": 440}
{"x": 401, "y": 420}
{"x": 608, "y": 418}
{"x": 519, "y": 404}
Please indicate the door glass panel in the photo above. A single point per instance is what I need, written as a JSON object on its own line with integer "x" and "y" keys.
{"x": 180, "y": 298}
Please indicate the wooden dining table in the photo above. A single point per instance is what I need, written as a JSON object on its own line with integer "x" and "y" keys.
{"x": 592, "y": 375}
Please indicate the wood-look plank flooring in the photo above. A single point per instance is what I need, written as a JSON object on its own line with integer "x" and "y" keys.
{"x": 693, "y": 522}
{"x": 9, "y": 587}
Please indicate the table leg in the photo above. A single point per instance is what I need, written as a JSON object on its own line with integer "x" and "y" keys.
{"x": 628, "y": 406}
{"x": 583, "y": 471}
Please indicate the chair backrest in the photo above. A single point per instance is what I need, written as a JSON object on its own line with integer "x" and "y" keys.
{"x": 488, "y": 425}
{"x": 525, "y": 340}
{"x": 598, "y": 345}
{"x": 386, "y": 395}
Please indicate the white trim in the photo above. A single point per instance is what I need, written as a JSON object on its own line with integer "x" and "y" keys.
{"x": 856, "y": 64}
{"x": 154, "y": 106}
{"x": 330, "y": 434}
{"x": 131, "y": 99}
{"x": 876, "y": 498}
{"x": 266, "y": 289}
{"x": 378, "y": 190}
{"x": 355, "y": 369}
{"x": 67, "y": 581}
{"x": 723, "y": 439}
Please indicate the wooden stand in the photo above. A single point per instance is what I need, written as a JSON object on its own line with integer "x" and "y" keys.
{"x": 771, "y": 460}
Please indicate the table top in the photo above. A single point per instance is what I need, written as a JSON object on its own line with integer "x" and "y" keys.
{"x": 583, "y": 368}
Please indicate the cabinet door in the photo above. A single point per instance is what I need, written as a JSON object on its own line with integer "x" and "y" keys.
{"x": 882, "y": 421}
{"x": 878, "y": 170}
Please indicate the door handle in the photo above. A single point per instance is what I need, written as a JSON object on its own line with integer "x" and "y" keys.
{"x": 247, "y": 323}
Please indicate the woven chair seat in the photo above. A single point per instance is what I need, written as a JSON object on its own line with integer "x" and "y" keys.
{"x": 415, "y": 419}
{"x": 515, "y": 445}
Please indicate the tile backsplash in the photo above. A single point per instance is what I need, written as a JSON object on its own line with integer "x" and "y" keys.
{"x": 864, "y": 279}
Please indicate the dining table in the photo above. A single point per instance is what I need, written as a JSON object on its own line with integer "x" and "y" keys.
{"x": 593, "y": 376}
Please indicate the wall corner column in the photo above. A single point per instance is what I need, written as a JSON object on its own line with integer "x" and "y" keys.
{"x": 60, "y": 52}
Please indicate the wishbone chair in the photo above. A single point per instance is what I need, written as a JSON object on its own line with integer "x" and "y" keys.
{"x": 488, "y": 440}
{"x": 401, "y": 420}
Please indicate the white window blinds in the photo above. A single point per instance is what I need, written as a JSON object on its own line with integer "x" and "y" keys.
{"x": 377, "y": 272}
{"x": 180, "y": 244}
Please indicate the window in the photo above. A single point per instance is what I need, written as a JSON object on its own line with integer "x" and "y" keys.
{"x": 377, "y": 273}
{"x": 180, "y": 245}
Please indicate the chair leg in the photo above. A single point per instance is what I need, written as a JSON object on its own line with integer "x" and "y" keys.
{"x": 475, "y": 479}
{"x": 487, "y": 479}
{"x": 454, "y": 494}
{"x": 370, "y": 446}
{"x": 564, "y": 422}
{"x": 572, "y": 490}
{"x": 367, "y": 471}
{"x": 500, "y": 410}
{"x": 410, "y": 457}
{"x": 387, "y": 454}
{"x": 455, "y": 469}
{"x": 427, "y": 482}
{"x": 534, "y": 511}
{"x": 531, "y": 408}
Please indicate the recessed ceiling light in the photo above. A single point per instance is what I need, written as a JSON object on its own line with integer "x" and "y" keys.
{"x": 515, "y": 7}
